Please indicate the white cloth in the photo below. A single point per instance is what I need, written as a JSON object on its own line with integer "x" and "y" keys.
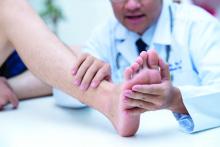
{"x": 65, "y": 100}
{"x": 195, "y": 43}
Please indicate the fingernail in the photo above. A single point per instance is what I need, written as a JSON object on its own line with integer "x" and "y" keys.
{"x": 73, "y": 71}
{"x": 94, "y": 84}
{"x": 83, "y": 86}
{"x": 127, "y": 93}
{"x": 76, "y": 82}
{"x": 135, "y": 88}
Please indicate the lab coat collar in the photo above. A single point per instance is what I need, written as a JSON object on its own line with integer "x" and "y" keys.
{"x": 121, "y": 32}
{"x": 162, "y": 35}
{"x": 127, "y": 48}
{"x": 126, "y": 41}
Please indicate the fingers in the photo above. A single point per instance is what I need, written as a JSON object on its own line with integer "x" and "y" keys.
{"x": 78, "y": 63}
{"x": 81, "y": 67}
{"x": 136, "y": 111}
{"x": 90, "y": 71}
{"x": 140, "y": 104}
{"x": 142, "y": 96}
{"x": 88, "y": 75}
{"x": 9, "y": 97}
{"x": 153, "y": 89}
{"x": 3, "y": 102}
{"x": 14, "y": 100}
{"x": 103, "y": 73}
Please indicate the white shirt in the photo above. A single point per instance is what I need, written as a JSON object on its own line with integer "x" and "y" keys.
{"x": 194, "y": 57}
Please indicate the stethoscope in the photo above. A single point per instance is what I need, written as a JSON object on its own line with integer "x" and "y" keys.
{"x": 168, "y": 48}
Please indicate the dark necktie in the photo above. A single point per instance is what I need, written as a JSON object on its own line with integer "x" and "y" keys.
{"x": 141, "y": 45}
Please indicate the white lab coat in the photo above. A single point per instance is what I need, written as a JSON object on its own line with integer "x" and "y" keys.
{"x": 195, "y": 42}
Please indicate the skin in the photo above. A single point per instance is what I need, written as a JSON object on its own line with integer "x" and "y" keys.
{"x": 24, "y": 90}
{"x": 137, "y": 16}
{"x": 21, "y": 89}
{"x": 18, "y": 88}
{"x": 112, "y": 105}
{"x": 7, "y": 94}
{"x": 157, "y": 95}
{"x": 51, "y": 61}
{"x": 89, "y": 72}
{"x": 5, "y": 54}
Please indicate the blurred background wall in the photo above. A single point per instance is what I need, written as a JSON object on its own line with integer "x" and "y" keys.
{"x": 79, "y": 17}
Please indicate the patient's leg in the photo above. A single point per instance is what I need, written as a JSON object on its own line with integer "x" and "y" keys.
{"x": 125, "y": 121}
{"x": 4, "y": 54}
{"x": 50, "y": 60}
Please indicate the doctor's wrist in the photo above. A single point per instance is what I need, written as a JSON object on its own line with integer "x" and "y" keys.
{"x": 177, "y": 105}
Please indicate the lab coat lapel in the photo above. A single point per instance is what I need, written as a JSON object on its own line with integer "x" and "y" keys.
{"x": 127, "y": 49}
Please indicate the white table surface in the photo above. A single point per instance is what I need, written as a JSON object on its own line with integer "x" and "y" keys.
{"x": 39, "y": 123}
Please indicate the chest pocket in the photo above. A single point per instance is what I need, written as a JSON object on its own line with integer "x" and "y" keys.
{"x": 181, "y": 69}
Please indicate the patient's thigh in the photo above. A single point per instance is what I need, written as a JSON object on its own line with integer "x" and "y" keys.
{"x": 5, "y": 48}
{"x": 4, "y": 53}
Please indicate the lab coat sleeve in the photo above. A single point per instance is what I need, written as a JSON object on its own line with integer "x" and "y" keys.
{"x": 203, "y": 108}
{"x": 98, "y": 44}
{"x": 203, "y": 101}
{"x": 185, "y": 122}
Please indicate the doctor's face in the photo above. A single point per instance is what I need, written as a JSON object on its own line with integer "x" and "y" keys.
{"x": 137, "y": 15}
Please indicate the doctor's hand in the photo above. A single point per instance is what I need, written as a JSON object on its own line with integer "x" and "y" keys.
{"x": 89, "y": 71}
{"x": 151, "y": 97}
{"x": 6, "y": 94}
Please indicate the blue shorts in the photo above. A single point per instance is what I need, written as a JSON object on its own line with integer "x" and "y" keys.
{"x": 13, "y": 66}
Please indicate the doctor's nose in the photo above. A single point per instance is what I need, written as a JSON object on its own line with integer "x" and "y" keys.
{"x": 133, "y": 4}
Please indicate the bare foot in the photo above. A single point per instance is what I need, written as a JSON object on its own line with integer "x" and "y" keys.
{"x": 144, "y": 71}
{"x": 126, "y": 123}
{"x": 113, "y": 105}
